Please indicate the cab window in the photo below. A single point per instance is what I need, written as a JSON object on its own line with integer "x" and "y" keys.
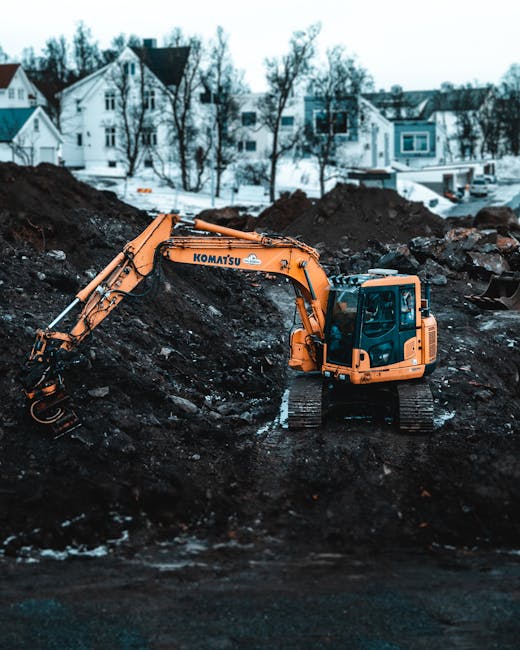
{"x": 406, "y": 308}
{"x": 379, "y": 316}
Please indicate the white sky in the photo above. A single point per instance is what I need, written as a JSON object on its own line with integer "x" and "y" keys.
{"x": 411, "y": 43}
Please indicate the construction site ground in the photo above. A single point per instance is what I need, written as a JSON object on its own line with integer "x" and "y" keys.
{"x": 183, "y": 514}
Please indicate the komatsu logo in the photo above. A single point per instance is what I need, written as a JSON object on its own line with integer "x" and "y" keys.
{"x": 224, "y": 260}
{"x": 252, "y": 259}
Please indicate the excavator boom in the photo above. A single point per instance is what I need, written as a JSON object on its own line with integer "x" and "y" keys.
{"x": 140, "y": 259}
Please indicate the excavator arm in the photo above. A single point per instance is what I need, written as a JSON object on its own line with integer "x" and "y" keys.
{"x": 233, "y": 249}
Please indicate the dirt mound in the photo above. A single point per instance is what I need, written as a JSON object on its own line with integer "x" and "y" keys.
{"x": 500, "y": 217}
{"x": 351, "y": 216}
{"x": 284, "y": 212}
{"x": 48, "y": 208}
{"x": 162, "y": 383}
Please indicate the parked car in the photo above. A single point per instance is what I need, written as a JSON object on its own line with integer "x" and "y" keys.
{"x": 479, "y": 187}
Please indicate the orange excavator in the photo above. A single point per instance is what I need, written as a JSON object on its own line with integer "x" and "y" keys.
{"x": 370, "y": 328}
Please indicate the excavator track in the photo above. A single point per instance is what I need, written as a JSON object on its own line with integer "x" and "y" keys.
{"x": 415, "y": 407}
{"x": 305, "y": 402}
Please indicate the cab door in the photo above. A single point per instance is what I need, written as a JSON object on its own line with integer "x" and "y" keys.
{"x": 387, "y": 322}
{"x": 379, "y": 332}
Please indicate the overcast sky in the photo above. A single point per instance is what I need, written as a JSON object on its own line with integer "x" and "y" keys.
{"x": 415, "y": 44}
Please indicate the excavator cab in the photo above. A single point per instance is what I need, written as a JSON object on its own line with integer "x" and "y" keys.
{"x": 378, "y": 330}
{"x": 378, "y": 320}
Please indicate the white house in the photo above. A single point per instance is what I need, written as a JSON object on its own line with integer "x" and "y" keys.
{"x": 254, "y": 140}
{"x": 373, "y": 144}
{"x": 116, "y": 113}
{"x": 28, "y": 136}
{"x": 16, "y": 89}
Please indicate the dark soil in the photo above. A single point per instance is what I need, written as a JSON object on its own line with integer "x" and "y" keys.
{"x": 353, "y": 217}
{"x": 177, "y": 444}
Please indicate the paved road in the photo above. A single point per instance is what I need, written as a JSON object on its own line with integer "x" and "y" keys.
{"x": 504, "y": 194}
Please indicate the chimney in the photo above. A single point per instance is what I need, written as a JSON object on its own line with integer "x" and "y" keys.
{"x": 150, "y": 43}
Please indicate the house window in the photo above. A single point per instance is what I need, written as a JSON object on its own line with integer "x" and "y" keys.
{"x": 240, "y": 146}
{"x": 110, "y": 100}
{"x": 78, "y": 105}
{"x": 287, "y": 121}
{"x": 21, "y": 93}
{"x": 129, "y": 68}
{"x": 112, "y": 163}
{"x": 36, "y": 125}
{"x": 148, "y": 162}
{"x": 149, "y": 100}
{"x": 11, "y": 93}
{"x": 110, "y": 136}
{"x": 79, "y": 139}
{"x": 250, "y": 145}
{"x": 414, "y": 143}
{"x": 337, "y": 122}
{"x": 249, "y": 118}
{"x": 149, "y": 137}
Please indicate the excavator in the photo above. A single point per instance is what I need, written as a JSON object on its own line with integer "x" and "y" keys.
{"x": 371, "y": 328}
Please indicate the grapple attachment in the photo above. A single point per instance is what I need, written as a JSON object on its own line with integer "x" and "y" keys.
{"x": 502, "y": 292}
{"x": 54, "y": 409}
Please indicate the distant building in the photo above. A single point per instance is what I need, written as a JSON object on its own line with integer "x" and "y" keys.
{"x": 96, "y": 132}
{"x": 433, "y": 126}
{"x": 28, "y": 136}
{"x": 16, "y": 89}
{"x": 364, "y": 137}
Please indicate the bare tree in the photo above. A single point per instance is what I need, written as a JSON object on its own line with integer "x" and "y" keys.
{"x": 466, "y": 121}
{"x": 282, "y": 75}
{"x": 224, "y": 87}
{"x": 117, "y": 45}
{"x": 489, "y": 124}
{"x": 50, "y": 71}
{"x": 186, "y": 136}
{"x": 334, "y": 88}
{"x": 3, "y": 56}
{"x": 87, "y": 57}
{"x": 508, "y": 108}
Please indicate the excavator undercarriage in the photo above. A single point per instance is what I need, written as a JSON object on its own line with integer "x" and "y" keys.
{"x": 312, "y": 400}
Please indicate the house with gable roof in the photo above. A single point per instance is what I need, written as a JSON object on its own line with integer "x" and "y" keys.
{"x": 16, "y": 89}
{"x": 28, "y": 136}
{"x": 117, "y": 110}
{"x": 428, "y": 123}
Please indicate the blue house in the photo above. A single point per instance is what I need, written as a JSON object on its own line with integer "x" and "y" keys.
{"x": 415, "y": 140}
{"x": 28, "y": 136}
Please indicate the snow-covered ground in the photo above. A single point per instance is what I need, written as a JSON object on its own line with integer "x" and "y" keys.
{"x": 290, "y": 177}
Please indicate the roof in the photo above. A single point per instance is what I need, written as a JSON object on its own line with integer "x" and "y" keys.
{"x": 167, "y": 63}
{"x": 12, "y": 120}
{"x": 7, "y": 72}
{"x": 421, "y": 104}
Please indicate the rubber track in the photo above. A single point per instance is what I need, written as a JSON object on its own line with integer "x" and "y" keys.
{"x": 305, "y": 402}
{"x": 415, "y": 407}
